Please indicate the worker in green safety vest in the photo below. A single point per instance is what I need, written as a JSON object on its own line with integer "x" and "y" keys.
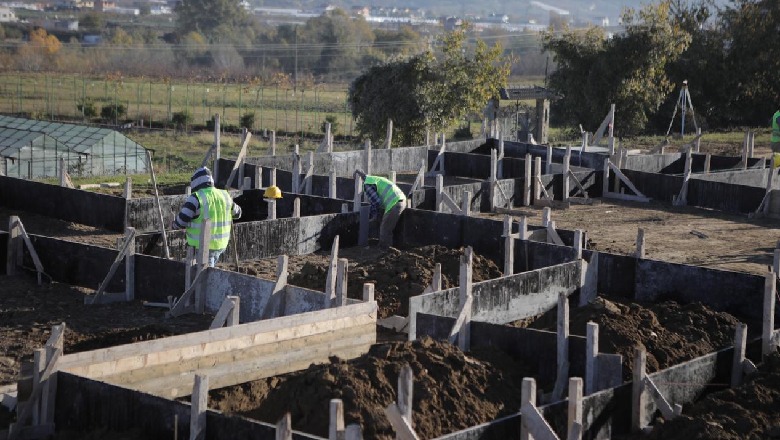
{"x": 387, "y": 200}
{"x": 221, "y": 211}
{"x": 775, "y": 141}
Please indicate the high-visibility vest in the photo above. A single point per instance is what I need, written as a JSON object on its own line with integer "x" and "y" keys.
{"x": 389, "y": 194}
{"x": 218, "y": 204}
{"x": 775, "y": 127}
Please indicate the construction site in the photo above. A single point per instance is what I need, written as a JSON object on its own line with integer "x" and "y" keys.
{"x": 532, "y": 292}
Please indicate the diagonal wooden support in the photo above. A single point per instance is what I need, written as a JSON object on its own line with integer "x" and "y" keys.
{"x": 31, "y": 250}
{"x": 419, "y": 181}
{"x": 228, "y": 313}
{"x": 625, "y": 179}
{"x": 562, "y": 347}
{"x": 580, "y": 188}
{"x": 681, "y": 199}
{"x": 330, "y": 279}
{"x": 438, "y": 163}
{"x": 284, "y": 428}
{"x": 403, "y": 430}
{"x": 160, "y": 218}
{"x": 14, "y": 431}
{"x": 542, "y": 189}
{"x": 552, "y": 234}
{"x": 129, "y": 238}
{"x": 183, "y": 304}
{"x": 668, "y": 411}
{"x": 245, "y": 137}
{"x": 436, "y": 281}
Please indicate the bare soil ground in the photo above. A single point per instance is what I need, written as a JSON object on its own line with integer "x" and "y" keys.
{"x": 452, "y": 389}
{"x": 396, "y": 274}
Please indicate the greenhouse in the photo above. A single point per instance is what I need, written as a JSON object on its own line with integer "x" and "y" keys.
{"x": 32, "y": 149}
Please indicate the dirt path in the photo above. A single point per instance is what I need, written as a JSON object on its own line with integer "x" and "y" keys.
{"x": 686, "y": 235}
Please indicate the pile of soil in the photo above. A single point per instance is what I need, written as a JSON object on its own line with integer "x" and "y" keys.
{"x": 398, "y": 275}
{"x": 670, "y": 332}
{"x": 747, "y": 412}
{"x": 452, "y": 390}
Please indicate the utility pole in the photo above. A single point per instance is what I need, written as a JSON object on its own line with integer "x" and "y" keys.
{"x": 295, "y": 74}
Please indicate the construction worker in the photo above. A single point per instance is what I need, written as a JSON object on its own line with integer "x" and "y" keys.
{"x": 220, "y": 208}
{"x": 775, "y": 141}
{"x": 385, "y": 198}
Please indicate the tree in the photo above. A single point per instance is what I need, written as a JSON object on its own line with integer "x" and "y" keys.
{"x": 753, "y": 56}
{"x": 205, "y": 16}
{"x": 628, "y": 70}
{"x": 426, "y": 91}
{"x": 39, "y": 52}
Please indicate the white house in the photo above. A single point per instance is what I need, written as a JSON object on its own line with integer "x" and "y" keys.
{"x": 7, "y": 15}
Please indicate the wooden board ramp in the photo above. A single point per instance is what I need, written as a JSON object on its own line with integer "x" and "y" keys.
{"x": 231, "y": 355}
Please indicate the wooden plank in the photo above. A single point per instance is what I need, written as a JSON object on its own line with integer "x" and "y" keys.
{"x": 129, "y": 236}
{"x": 284, "y": 428}
{"x": 222, "y": 314}
{"x": 552, "y": 234}
{"x": 199, "y": 407}
{"x": 402, "y": 428}
{"x": 253, "y": 329}
{"x": 157, "y": 204}
{"x": 239, "y": 160}
{"x": 450, "y": 204}
{"x": 181, "y": 306}
{"x": 215, "y": 351}
{"x": 629, "y": 197}
{"x": 178, "y": 385}
{"x": 336, "y": 425}
{"x": 625, "y": 180}
{"x": 537, "y": 426}
{"x": 660, "y": 401}
{"x": 31, "y": 249}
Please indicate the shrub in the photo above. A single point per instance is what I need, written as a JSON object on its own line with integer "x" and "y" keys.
{"x": 182, "y": 119}
{"x": 113, "y": 112}
{"x": 87, "y": 107}
{"x": 248, "y": 120}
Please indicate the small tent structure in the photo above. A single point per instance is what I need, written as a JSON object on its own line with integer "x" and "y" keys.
{"x": 32, "y": 149}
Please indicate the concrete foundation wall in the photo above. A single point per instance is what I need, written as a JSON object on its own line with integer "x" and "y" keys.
{"x": 269, "y": 238}
{"x": 86, "y": 405}
{"x": 750, "y": 177}
{"x": 503, "y": 299}
{"x": 724, "y": 197}
{"x": 733, "y": 292}
{"x": 73, "y": 205}
{"x": 3, "y": 254}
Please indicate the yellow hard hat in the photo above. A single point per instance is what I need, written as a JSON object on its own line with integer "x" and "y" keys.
{"x": 272, "y": 192}
{"x": 776, "y": 160}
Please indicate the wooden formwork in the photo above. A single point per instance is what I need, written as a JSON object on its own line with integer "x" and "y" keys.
{"x": 231, "y": 355}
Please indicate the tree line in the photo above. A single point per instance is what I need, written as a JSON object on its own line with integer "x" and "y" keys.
{"x": 730, "y": 57}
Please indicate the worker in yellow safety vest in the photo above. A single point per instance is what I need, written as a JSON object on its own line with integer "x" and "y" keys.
{"x": 219, "y": 206}
{"x": 387, "y": 199}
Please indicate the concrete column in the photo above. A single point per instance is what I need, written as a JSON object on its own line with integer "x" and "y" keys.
{"x": 523, "y": 232}
{"x": 217, "y": 147}
{"x": 527, "y": 179}
{"x": 199, "y": 407}
{"x": 336, "y": 425}
{"x": 549, "y": 160}
{"x": 389, "y": 137}
{"x": 273, "y": 142}
{"x": 130, "y": 265}
{"x": 341, "y": 282}
{"x": 527, "y": 397}
{"x": 707, "y": 159}
{"x": 575, "y": 408}
{"x": 542, "y": 120}
{"x": 271, "y": 209}
{"x": 296, "y": 207}
{"x": 740, "y": 340}
{"x": 367, "y": 157}
{"x": 605, "y": 181}
{"x": 332, "y": 185}
{"x": 465, "y": 289}
{"x": 546, "y": 214}
{"x": 640, "y": 244}
{"x": 465, "y": 203}
{"x": 127, "y": 193}
{"x": 566, "y": 167}
{"x": 537, "y": 176}
{"x": 296, "y": 172}
{"x": 577, "y": 245}
{"x": 439, "y": 191}
{"x": 509, "y": 247}
{"x": 638, "y": 399}
{"x": 768, "y": 346}
{"x": 591, "y": 357}
{"x": 405, "y": 393}
{"x": 273, "y": 177}
{"x": 368, "y": 292}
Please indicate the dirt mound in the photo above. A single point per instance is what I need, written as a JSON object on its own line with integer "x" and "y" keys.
{"x": 452, "y": 390}
{"x": 398, "y": 275}
{"x": 747, "y": 412}
{"x": 670, "y": 332}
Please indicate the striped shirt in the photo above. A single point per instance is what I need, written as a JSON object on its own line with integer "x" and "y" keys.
{"x": 374, "y": 199}
{"x": 191, "y": 209}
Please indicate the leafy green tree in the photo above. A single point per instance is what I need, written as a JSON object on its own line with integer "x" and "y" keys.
{"x": 205, "y": 16}
{"x": 753, "y": 56}
{"x": 428, "y": 90}
{"x": 92, "y": 21}
{"x": 628, "y": 69}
